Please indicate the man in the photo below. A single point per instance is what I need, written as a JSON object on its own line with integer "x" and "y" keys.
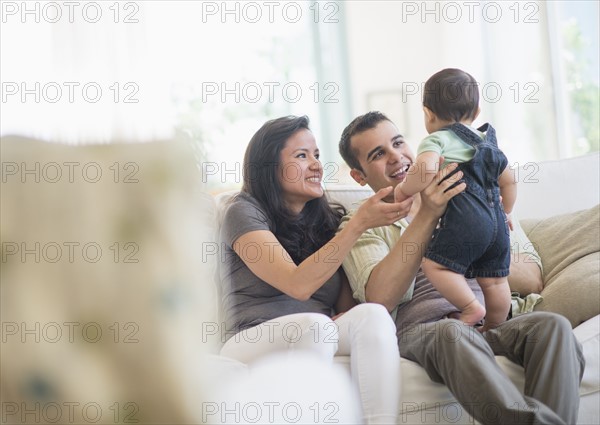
{"x": 384, "y": 267}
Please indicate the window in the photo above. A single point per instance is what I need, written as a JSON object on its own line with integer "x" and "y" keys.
{"x": 536, "y": 63}
{"x": 573, "y": 28}
{"x": 207, "y": 72}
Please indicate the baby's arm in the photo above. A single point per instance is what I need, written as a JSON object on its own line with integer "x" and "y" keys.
{"x": 508, "y": 189}
{"x": 419, "y": 175}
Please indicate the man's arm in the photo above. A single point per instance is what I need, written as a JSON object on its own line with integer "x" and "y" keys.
{"x": 525, "y": 275}
{"x": 382, "y": 270}
{"x": 393, "y": 275}
{"x": 525, "y": 266}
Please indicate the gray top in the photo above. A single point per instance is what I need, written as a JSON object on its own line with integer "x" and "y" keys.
{"x": 247, "y": 300}
{"x": 427, "y": 305}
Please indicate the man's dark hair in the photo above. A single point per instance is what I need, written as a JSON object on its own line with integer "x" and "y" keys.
{"x": 452, "y": 95}
{"x": 358, "y": 125}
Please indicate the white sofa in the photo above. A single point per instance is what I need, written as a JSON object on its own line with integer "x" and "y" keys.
{"x": 157, "y": 359}
{"x": 546, "y": 189}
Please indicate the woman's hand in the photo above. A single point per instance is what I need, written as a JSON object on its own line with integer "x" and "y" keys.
{"x": 375, "y": 212}
{"x": 435, "y": 197}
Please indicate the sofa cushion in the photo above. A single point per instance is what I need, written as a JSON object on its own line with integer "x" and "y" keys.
{"x": 589, "y": 336}
{"x": 282, "y": 388}
{"x": 569, "y": 246}
{"x": 348, "y": 196}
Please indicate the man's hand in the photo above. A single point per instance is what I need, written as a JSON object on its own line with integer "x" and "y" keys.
{"x": 435, "y": 197}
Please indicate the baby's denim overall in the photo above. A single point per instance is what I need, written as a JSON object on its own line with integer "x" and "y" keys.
{"x": 473, "y": 237}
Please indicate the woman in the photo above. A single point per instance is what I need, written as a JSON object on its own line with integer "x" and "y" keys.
{"x": 284, "y": 288}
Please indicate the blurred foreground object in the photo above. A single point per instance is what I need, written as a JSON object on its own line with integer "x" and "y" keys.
{"x": 104, "y": 287}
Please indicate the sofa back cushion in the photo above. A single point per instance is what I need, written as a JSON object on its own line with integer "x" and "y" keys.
{"x": 569, "y": 245}
{"x": 550, "y": 188}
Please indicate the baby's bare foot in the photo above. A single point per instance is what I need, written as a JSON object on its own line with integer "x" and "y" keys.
{"x": 472, "y": 313}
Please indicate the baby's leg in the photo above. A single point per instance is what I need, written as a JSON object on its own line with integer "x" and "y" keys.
{"x": 455, "y": 289}
{"x": 497, "y": 300}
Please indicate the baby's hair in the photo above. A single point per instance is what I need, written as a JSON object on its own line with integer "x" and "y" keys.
{"x": 452, "y": 95}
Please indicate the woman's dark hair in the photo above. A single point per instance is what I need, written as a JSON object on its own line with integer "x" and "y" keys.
{"x": 301, "y": 235}
{"x": 452, "y": 95}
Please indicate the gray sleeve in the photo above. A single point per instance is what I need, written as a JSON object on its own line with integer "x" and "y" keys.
{"x": 243, "y": 215}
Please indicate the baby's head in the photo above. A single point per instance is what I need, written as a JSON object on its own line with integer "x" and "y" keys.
{"x": 450, "y": 96}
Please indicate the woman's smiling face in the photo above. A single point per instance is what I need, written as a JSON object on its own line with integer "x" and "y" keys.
{"x": 300, "y": 171}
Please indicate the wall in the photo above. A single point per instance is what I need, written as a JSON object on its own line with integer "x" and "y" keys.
{"x": 396, "y": 45}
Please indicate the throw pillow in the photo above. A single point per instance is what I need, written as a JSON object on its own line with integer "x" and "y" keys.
{"x": 569, "y": 246}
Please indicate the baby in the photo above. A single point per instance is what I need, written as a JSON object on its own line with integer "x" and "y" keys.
{"x": 472, "y": 237}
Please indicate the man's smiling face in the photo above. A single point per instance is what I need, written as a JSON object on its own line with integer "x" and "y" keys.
{"x": 383, "y": 155}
